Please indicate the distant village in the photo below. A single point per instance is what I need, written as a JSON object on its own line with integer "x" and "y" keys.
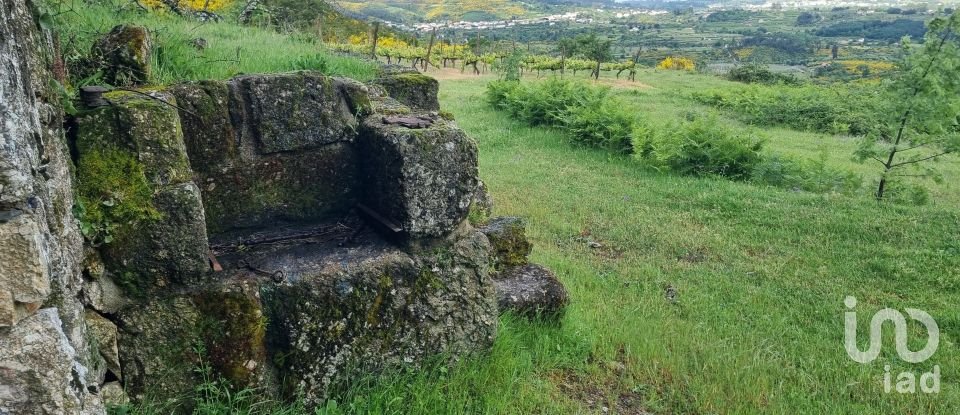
{"x": 865, "y": 6}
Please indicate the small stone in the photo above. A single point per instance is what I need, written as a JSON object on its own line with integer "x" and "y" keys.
{"x": 532, "y": 291}
{"x": 113, "y": 394}
{"x": 103, "y": 295}
{"x": 104, "y": 332}
{"x": 508, "y": 236}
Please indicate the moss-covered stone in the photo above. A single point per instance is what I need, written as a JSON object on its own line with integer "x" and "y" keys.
{"x": 124, "y": 56}
{"x": 136, "y": 194}
{"x": 211, "y": 140}
{"x": 148, "y": 128}
{"x": 167, "y": 343}
{"x": 374, "y": 307}
{"x": 235, "y": 329}
{"x": 413, "y": 89}
{"x": 292, "y": 111}
{"x": 421, "y": 179}
{"x": 171, "y": 250}
{"x": 508, "y": 237}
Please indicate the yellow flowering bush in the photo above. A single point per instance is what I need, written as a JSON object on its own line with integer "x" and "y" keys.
{"x": 677, "y": 63}
{"x": 207, "y": 5}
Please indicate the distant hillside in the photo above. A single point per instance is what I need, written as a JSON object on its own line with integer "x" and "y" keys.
{"x": 410, "y": 11}
{"x": 335, "y": 22}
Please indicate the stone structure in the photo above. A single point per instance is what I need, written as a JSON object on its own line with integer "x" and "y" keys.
{"x": 278, "y": 231}
{"x": 524, "y": 288}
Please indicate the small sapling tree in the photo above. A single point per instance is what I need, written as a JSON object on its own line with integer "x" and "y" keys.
{"x": 595, "y": 49}
{"x": 566, "y": 47}
{"x": 924, "y": 105}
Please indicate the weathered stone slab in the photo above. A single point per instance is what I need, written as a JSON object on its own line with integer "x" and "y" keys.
{"x": 374, "y": 306}
{"x": 532, "y": 291}
{"x": 303, "y": 186}
{"x": 24, "y": 275}
{"x": 413, "y": 89}
{"x": 508, "y": 236}
{"x": 293, "y": 111}
{"x": 421, "y": 179}
{"x": 212, "y": 141}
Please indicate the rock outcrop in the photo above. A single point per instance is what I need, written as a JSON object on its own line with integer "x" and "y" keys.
{"x": 45, "y": 355}
{"x": 278, "y": 231}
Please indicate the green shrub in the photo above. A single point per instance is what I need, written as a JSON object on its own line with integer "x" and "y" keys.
{"x": 602, "y": 124}
{"x": 588, "y": 113}
{"x": 701, "y": 147}
{"x": 835, "y": 110}
{"x": 497, "y": 92}
{"x": 760, "y": 74}
{"x": 807, "y": 175}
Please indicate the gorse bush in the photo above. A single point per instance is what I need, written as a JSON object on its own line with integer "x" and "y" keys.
{"x": 589, "y": 113}
{"x": 677, "y": 63}
{"x": 701, "y": 147}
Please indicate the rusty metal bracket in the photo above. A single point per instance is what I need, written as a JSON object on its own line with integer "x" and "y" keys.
{"x": 278, "y": 276}
{"x": 379, "y": 218}
{"x": 214, "y": 264}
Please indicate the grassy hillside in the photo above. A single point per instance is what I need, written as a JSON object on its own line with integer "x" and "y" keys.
{"x": 761, "y": 272}
{"x": 229, "y": 49}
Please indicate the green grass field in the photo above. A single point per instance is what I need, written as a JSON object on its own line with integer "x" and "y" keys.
{"x": 761, "y": 274}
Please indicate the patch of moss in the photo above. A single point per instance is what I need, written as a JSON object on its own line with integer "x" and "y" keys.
{"x": 414, "y": 79}
{"x": 113, "y": 194}
{"x": 234, "y": 329}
